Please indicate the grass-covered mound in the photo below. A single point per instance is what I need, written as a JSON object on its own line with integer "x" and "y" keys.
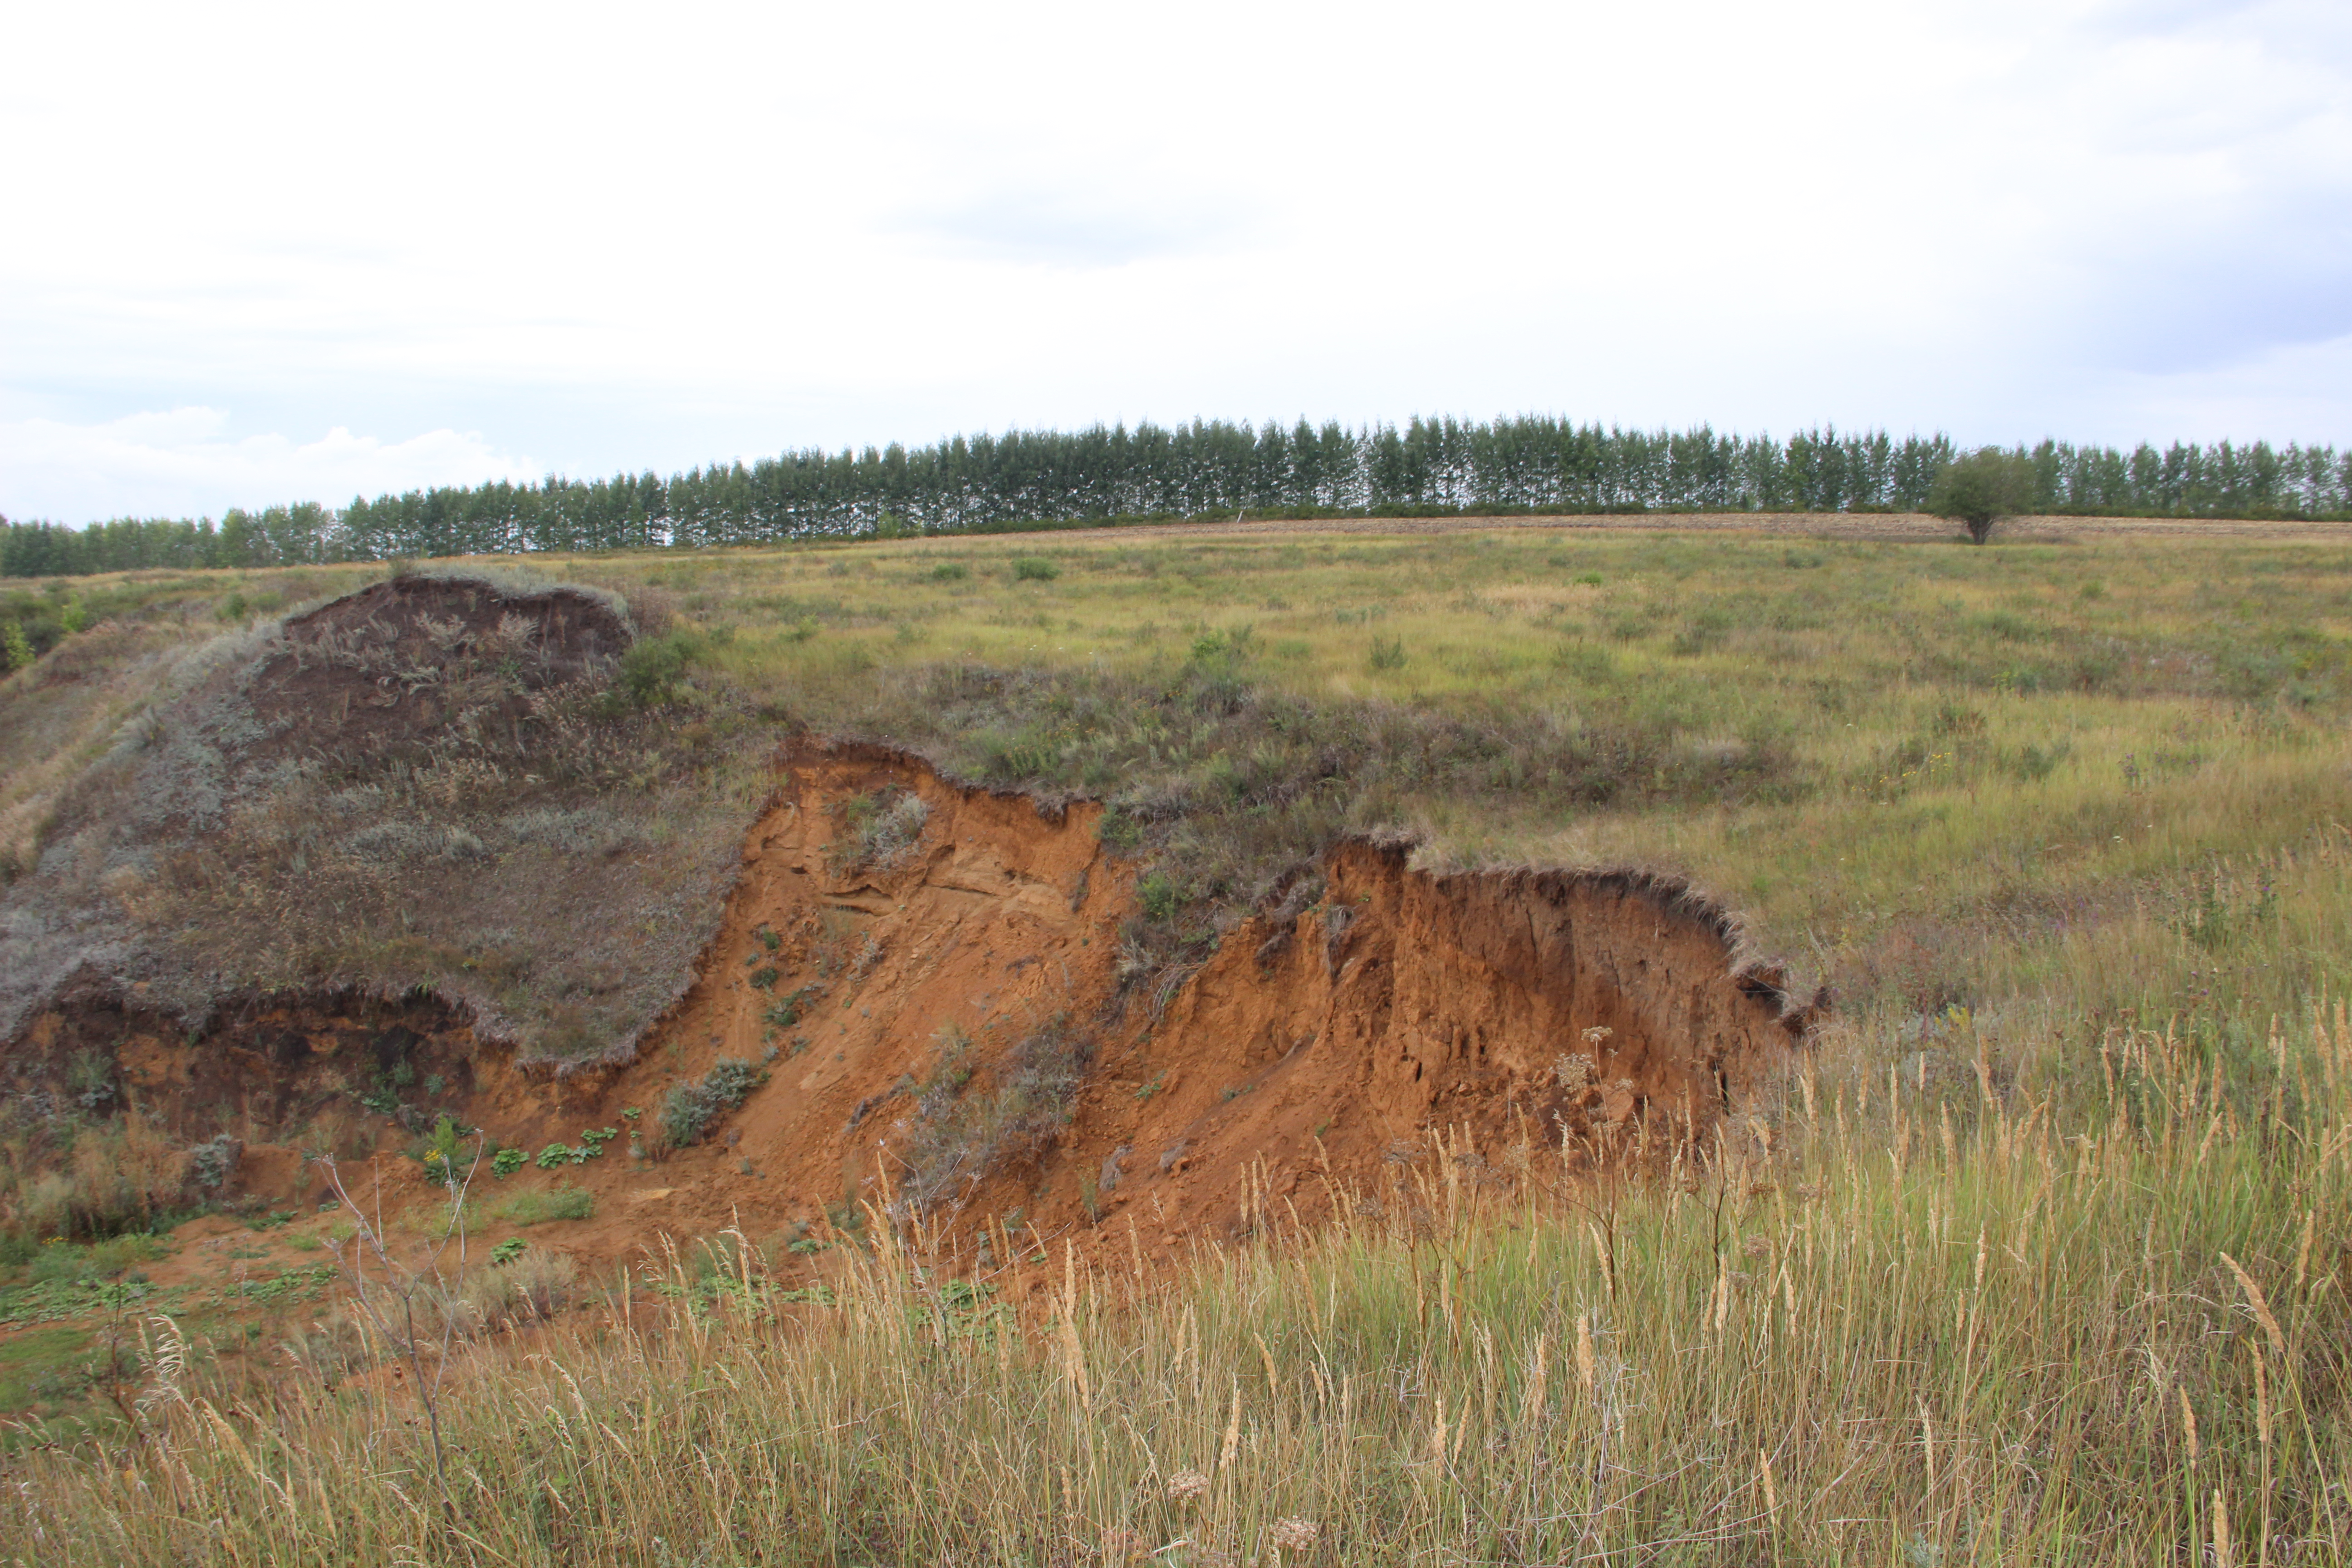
{"x": 457, "y": 784}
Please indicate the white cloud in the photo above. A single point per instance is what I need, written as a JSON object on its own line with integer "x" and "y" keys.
{"x": 620, "y": 240}
{"x": 182, "y": 463}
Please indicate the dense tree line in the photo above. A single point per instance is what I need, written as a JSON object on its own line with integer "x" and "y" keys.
{"x": 1027, "y": 479}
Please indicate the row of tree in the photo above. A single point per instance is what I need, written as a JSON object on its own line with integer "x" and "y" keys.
{"x": 1042, "y": 478}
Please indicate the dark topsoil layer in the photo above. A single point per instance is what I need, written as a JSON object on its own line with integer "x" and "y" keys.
{"x": 392, "y": 664}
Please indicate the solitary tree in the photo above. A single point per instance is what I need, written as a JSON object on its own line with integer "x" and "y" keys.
{"x": 1981, "y": 488}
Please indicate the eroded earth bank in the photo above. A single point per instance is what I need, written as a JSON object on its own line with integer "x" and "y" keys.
{"x": 919, "y": 1005}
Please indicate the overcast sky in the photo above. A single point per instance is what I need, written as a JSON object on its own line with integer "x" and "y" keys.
{"x": 262, "y": 254}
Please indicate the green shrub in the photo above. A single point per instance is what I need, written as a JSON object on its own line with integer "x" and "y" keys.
{"x": 654, "y": 668}
{"x": 108, "y": 1259}
{"x": 441, "y": 1156}
{"x": 788, "y": 1008}
{"x": 551, "y": 1204}
{"x": 950, "y": 572}
{"x": 1156, "y": 893}
{"x": 1982, "y": 488}
{"x": 1583, "y": 661}
{"x": 1387, "y": 653}
{"x": 1034, "y": 569}
{"x": 507, "y": 1161}
{"x": 210, "y": 1163}
{"x": 691, "y": 1107}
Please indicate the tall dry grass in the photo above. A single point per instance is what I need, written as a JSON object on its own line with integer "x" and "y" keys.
{"x": 1908, "y": 1323}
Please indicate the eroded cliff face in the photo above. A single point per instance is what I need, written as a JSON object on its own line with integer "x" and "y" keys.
{"x": 930, "y": 978}
{"x": 1546, "y": 1005}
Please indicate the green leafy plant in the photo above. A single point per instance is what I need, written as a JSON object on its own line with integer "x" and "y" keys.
{"x": 788, "y": 1009}
{"x": 1034, "y": 569}
{"x": 441, "y": 1156}
{"x": 1156, "y": 894}
{"x": 554, "y": 1155}
{"x": 16, "y": 647}
{"x": 507, "y": 1161}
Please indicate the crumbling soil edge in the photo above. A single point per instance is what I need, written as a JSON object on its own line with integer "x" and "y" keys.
{"x": 1320, "y": 1045}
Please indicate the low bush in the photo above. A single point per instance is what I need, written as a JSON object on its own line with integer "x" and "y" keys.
{"x": 689, "y": 1107}
{"x": 788, "y": 1008}
{"x": 1034, "y": 569}
{"x": 880, "y": 830}
{"x": 547, "y": 1204}
{"x": 653, "y": 670}
{"x": 210, "y": 1163}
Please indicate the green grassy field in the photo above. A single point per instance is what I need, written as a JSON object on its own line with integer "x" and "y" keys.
{"x": 2040, "y": 1257}
{"x": 2048, "y": 783}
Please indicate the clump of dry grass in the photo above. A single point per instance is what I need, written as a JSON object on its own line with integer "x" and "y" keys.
{"x": 533, "y": 1286}
{"x": 970, "y": 1118}
{"x": 93, "y": 1180}
{"x": 880, "y": 831}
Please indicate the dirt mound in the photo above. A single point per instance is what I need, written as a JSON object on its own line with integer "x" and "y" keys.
{"x": 442, "y": 781}
{"x": 390, "y": 666}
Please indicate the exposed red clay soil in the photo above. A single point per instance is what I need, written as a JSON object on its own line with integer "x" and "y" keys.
{"x": 888, "y": 985}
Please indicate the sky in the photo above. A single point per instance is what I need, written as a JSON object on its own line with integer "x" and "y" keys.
{"x": 265, "y": 254}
